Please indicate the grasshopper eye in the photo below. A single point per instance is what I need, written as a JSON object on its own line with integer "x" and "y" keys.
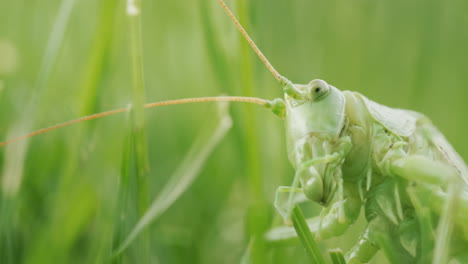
{"x": 318, "y": 89}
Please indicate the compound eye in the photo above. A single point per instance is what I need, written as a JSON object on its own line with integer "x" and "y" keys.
{"x": 318, "y": 89}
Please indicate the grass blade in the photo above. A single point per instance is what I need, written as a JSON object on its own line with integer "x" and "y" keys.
{"x": 287, "y": 235}
{"x": 140, "y": 146}
{"x": 336, "y": 256}
{"x": 258, "y": 210}
{"x": 247, "y": 256}
{"x": 94, "y": 73}
{"x": 218, "y": 62}
{"x": 15, "y": 153}
{"x": 305, "y": 236}
{"x": 124, "y": 207}
{"x": 183, "y": 177}
{"x": 138, "y": 101}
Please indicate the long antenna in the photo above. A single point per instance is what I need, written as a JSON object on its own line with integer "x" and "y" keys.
{"x": 253, "y": 100}
{"x": 288, "y": 86}
{"x": 251, "y": 42}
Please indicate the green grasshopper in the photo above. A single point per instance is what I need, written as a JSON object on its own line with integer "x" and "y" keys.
{"x": 350, "y": 152}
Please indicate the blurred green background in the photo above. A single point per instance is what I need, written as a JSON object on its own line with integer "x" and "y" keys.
{"x": 65, "y": 203}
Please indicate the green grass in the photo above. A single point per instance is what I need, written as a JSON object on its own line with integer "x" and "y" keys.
{"x": 137, "y": 172}
{"x": 81, "y": 189}
{"x": 306, "y": 237}
{"x": 182, "y": 178}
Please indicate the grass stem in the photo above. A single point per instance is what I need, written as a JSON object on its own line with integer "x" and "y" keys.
{"x": 304, "y": 234}
{"x": 138, "y": 100}
{"x": 138, "y": 130}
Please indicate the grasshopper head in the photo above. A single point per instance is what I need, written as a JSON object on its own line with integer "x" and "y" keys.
{"x": 315, "y": 118}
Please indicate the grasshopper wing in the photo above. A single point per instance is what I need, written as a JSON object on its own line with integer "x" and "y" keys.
{"x": 449, "y": 153}
{"x": 398, "y": 121}
{"x": 403, "y": 123}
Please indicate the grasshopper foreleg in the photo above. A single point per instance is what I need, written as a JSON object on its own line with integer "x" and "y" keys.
{"x": 340, "y": 215}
